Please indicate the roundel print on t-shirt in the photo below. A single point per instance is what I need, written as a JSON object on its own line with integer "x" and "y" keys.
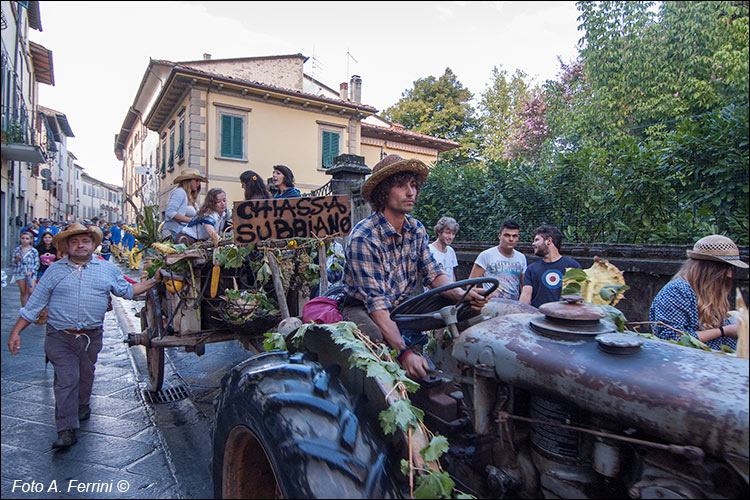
{"x": 552, "y": 279}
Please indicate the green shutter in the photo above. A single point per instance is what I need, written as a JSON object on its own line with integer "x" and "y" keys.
{"x": 181, "y": 147}
{"x": 330, "y": 148}
{"x": 226, "y": 136}
{"x": 237, "y": 137}
{"x": 231, "y": 136}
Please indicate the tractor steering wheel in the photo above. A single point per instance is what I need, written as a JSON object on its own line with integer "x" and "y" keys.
{"x": 427, "y": 311}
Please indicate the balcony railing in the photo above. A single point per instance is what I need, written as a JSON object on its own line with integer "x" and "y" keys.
{"x": 19, "y": 139}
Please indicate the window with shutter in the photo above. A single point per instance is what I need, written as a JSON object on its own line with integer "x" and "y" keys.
{"x": 232, "y": 135}
{"x": 181, "y": 147}
{"x": 330, "y": 148}
{"x": 171, "y": 150}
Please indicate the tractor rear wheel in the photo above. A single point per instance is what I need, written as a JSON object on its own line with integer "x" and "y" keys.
{"x": 287, "y": 428}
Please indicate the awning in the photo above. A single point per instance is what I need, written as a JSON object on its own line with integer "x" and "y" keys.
{"x": 64, "y": 126}
{"x": 23, "y": 152}
{"x": 43, "y": 66}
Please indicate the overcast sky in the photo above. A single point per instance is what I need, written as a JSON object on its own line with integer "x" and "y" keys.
{"x": 101, "y": 49}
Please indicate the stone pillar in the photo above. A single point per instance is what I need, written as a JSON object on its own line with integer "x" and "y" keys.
{"x": 348, "y": 173}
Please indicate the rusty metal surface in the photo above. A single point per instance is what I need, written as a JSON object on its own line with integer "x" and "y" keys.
{"x": 572, "y": 310}
{"x": 569, "y": 328}
{"x": 619, "y": 343}
{"x": 501, "y": 307}
{"x": 677, "y": 394}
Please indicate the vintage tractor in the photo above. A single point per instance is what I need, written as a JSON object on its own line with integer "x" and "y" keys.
{"x": 551, "y": 403}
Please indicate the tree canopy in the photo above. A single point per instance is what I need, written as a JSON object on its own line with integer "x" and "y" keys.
{"x": 439, "y": 107}
{"x": 642, "y": 138}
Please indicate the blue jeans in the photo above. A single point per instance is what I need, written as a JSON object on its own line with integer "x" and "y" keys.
{"x": 358, "y": 315}
{"x": 413, "y": 337}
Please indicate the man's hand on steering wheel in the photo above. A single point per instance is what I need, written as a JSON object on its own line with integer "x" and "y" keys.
{"x": 474, "y": 297}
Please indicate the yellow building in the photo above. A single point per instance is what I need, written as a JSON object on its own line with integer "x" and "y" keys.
{"x": 223, "y": 117}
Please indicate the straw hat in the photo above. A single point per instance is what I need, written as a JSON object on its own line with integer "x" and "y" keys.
{"x": 188, "y": 173}
{"x": 393, "y": 164}
{"x": 717, "y": 248}
{"x": 60, "y": 240}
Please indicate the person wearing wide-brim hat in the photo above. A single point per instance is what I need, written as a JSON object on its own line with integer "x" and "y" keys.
{"x": 388, "y": 256}
{"x": 60, "y": 240}
{"x": 696, "y": 300}
{"x": 75, "y": 290}
{"x": 182, "y": 204}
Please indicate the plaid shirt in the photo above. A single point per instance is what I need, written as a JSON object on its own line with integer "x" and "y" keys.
{"x": 76, "y": 297}
{"x": 29, "y": 262}
{"x": 677, "y": 305}
{"x": 382, "y": 266}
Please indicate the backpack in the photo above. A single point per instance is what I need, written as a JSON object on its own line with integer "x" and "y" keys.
{"x": 321, "y": 310}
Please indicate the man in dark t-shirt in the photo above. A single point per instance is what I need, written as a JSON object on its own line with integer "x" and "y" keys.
{"x": 542, "y": 281}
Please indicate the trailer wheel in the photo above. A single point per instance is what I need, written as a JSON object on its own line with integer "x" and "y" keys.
{"x": 154, "y": 328}
{"x": 287, "y": 428}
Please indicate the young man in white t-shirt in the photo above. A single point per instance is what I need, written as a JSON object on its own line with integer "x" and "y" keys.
{"x": 445, "y": 230}
{"x": 503, "y": 262}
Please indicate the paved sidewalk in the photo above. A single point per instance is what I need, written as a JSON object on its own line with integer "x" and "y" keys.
{"x": 120, "y": 452}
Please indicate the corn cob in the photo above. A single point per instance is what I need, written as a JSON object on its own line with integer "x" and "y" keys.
{"x": 131, "y": 230}
{"x": 215, "y": 280}
{"x": 163, "y": 248}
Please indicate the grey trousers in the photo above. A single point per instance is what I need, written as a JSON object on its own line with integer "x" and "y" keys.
{"x": 358, "y": 315}
{"x": 73, "y": 357}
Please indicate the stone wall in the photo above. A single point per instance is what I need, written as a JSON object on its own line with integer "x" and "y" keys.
{"x": 647, "y": 268}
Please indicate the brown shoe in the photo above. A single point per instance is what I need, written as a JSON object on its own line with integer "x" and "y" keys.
{"x": 65, "y": 439}
{"x": 84, "y": 412}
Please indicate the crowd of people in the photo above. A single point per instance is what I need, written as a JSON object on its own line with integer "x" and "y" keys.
{"x": 187, "y": 223}
{"x": 388, "y": 257}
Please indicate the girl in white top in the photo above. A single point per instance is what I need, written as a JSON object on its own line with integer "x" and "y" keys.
{"x": 211, "y": 218}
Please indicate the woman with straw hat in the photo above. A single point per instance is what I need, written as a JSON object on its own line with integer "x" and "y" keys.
{"x": 181, "y": 207}
{"x": 696, "y": 300}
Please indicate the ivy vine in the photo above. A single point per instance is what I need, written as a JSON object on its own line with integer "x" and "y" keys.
{"x": 377, "y": 361}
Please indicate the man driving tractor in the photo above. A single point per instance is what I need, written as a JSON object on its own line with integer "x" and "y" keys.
{"x": 386, "y": 253}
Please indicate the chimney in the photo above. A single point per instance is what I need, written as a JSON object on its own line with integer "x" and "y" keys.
{"x": 355, "y": 87}
{"x": 344, "y": 91}
{"x": 206, "y": 56}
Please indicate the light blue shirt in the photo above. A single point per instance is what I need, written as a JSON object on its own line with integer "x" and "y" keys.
{"x": 177, "y": 204}
{"x": 76, "y": 297}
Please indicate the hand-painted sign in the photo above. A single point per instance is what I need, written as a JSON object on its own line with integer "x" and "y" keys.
{"x": 282, "y": 218}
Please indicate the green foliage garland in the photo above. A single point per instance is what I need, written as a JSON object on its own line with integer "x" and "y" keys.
{"x": 376, "y": 360}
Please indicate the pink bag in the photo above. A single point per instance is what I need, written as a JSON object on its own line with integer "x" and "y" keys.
{"x": 321, "y": 310}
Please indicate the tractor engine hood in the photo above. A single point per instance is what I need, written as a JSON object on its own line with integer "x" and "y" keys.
{"x": 678, "y": 394}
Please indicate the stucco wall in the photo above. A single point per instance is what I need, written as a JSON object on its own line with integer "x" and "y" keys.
{"x": 372, "y": 154}
{"x": 275, "y": 135}
{"x": 282, "y": 72}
